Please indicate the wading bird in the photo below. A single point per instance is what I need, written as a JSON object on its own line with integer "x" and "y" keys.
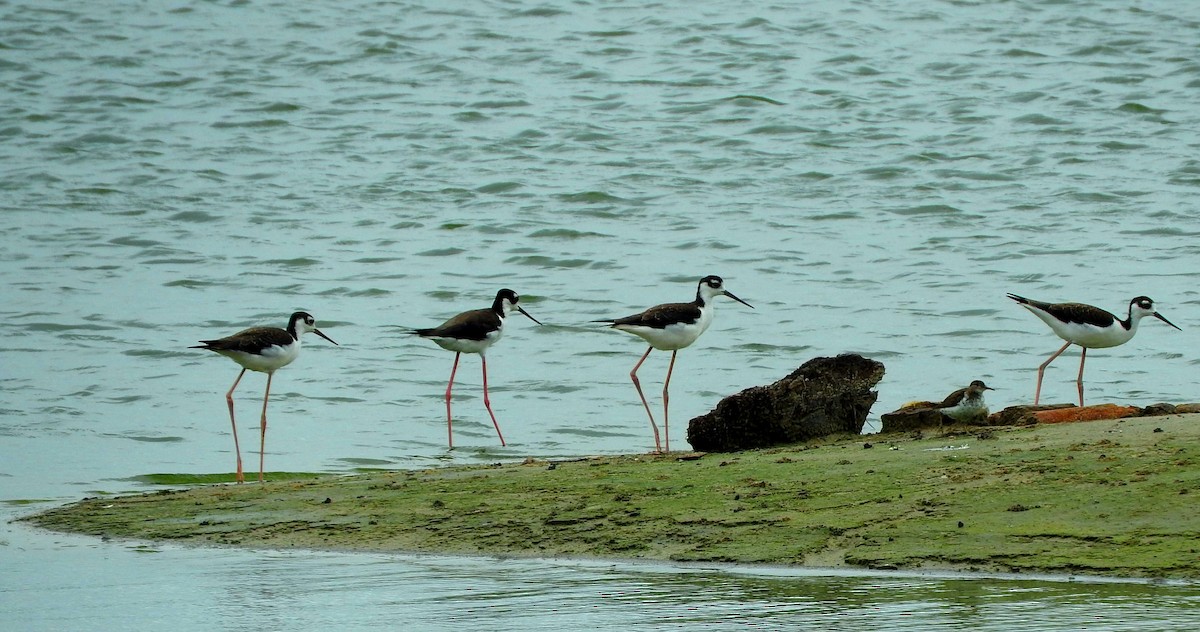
{"x": 266, "y": 350}
{"x": 474, "y": 332}
{"x": 1086, "y": 326}
{"x": 671, "y": 327}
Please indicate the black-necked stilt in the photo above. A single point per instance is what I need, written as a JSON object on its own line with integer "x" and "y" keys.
{"x": 1087, "y": 326}
{"x": 266, "y": 350}
{"x": 966, "y": 404}
{"x": 474, "y": 332}
{"x": 671, "y": 327}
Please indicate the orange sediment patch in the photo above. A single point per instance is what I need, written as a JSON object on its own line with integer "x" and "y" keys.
{"x": 1086, "y": 413}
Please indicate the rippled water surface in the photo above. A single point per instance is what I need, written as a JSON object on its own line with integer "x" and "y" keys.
{"x": 872, "y": 176}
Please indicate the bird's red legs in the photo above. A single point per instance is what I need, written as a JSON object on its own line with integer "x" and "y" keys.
{"x": 1042, "y": 369}
{"x": 229, "y": 400}
{"x": 449, "y": 428}
{"x": 262, "y": 446}
{"x": 638, "y": 385}
{"x": 1079, "y": 380}
{"x": 487, "y": 403}
{"x": 666, "y": 399}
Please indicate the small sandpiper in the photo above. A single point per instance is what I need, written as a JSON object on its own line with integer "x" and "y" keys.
{"x": 473, "y": 332}
{"x": 1087, "y": 326}
{"x": 966, "y": 405}
{"x": 266, "y": 350}
{"x": 671, "y": 327}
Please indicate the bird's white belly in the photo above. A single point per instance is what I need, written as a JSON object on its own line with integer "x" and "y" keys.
{"x": 669, "y": 338}
{"x": 1093, "y": 337}
{"x": 469, "y": 346}
{"x": 270, "y": 359}
{"x": 967, "y": 411}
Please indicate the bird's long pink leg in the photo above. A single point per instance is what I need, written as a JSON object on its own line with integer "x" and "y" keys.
{"x": 638, "y": 385}
{"x": 487, "y": 403}
{"x": 1079, "y": 380}
{"x": 666, "y": 400}
{"x": 449, "y": 428}
{"x": 229, "y": 400}
{"x": 262, "y": 446}
{"x": 1042, "y": 369}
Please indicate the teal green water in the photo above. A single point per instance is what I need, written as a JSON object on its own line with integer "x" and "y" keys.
{"x": 132, "y": 586}
{"x": 872, "y": 176}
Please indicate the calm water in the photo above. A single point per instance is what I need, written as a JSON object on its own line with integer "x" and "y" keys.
{"x": 872, "y": 176}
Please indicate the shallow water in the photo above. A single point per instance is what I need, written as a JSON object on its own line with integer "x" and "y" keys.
{"x": 871, "y": 176}
{"x": 148, "y": 587}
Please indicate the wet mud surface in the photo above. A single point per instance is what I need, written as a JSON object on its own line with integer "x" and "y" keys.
{"x": 1113, "y": 497}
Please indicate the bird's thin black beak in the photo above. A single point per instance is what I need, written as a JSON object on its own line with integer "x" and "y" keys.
{"x": 1163, "y": 318}
{"x": 519, "y": 309}
{"x": 318, "y": 332}
{"x": 730, "y": 295}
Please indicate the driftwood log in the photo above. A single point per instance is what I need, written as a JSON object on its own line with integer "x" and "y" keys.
{"x": 824, "y": 396}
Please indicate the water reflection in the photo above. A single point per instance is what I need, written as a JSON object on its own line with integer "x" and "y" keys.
{"x": 135, "y": 586}
{"x": 476, "y": 593}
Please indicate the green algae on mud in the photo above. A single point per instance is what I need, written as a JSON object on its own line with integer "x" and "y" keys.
{"x": 1100, "y": 498}
{"x": 209, "y": 479}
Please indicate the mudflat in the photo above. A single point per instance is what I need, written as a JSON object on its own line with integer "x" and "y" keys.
{"x": 1114, "y": 498}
